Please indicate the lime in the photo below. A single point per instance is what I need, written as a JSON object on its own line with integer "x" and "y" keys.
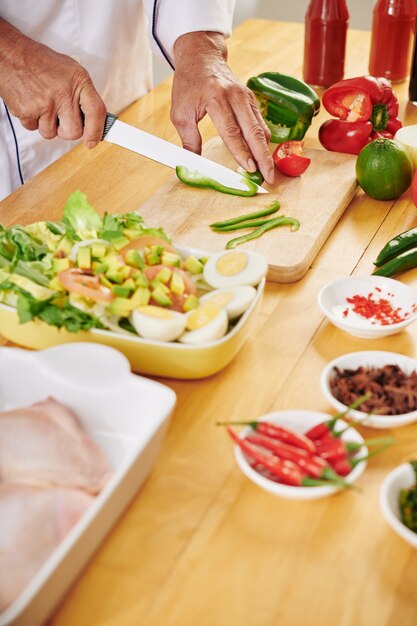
{"x": 384, "y": 169}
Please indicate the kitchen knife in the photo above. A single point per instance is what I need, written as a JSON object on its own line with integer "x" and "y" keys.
{"x": 165, "y": 152}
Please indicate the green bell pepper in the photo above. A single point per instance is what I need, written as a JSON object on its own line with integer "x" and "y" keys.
{"x": 287, "y": 104}
{"x": 196, "y": 179}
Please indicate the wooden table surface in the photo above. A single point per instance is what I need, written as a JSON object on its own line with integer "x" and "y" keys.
{"x": 200, "y": 544}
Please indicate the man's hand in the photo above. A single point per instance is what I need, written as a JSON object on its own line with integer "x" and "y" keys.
{"x": 203, "y": 83}
{"x": 45, "y": 89}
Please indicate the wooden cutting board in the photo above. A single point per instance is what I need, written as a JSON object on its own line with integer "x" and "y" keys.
{"x": 317, "y": 199}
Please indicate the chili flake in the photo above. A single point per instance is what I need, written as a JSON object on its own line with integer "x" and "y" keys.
{"x": 377, "y": 310}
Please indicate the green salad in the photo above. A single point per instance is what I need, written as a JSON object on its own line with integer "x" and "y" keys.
{"x": 85, "y": 271}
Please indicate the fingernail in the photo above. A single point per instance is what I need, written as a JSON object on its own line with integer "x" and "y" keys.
{"x": 251, "y": 167}
{"x": 270, "y": 177}
{"x": 91, "y": 144}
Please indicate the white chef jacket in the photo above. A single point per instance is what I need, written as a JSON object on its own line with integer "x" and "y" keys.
{"x": 110, "y": 39}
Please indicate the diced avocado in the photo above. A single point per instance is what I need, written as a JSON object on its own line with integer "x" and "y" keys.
{"x": 112, "y": 261}
{"x": 169, "y": 258}
{"x": 99, "y": 268}
{"x": 130, "y": 284}
{"x": 84, "y": 257}
{"x": 141, "y": 297}
{"x": 164, "y": 275}
{"x": 115, "y": 276}
{"x": 120, "y": 306}
{"x": 65, "y": 245}
{"x": 37, "y": 291}
{"x": 105, "y": 281}
{"x": 177, "y": 284}
{"x": 161, "y": 298}
{"x": 60, "y": 265}
{"x": 140, "y": 279}
{"x": 125, "y": 271}
{"x": 193, "y": 265}
{"x": 120, "y": 290}
{"x": 156, "y": 284}
{"x": 131, "y": 233}
{"x": 135, "y": 259}
{"x": 120, "y": 243}
{"x": 191, "y": 302}
{"x": 55, "y": 284}
{"x": 153, "y": 258}
{"x": 98, "y": 250}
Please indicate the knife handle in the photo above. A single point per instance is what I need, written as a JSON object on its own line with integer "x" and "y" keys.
{"x": 110, "y": 120}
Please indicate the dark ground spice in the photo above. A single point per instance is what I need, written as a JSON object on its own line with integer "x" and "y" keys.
{"x": 393, "y": 391}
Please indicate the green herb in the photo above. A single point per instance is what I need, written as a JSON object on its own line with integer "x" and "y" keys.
{"x": 80, "y": 215}
{"x": 408, "y": 503}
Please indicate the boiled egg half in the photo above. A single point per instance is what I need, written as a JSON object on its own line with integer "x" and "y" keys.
{"x": 154, "y": 322}
{"x": 235, "y": 267}
{"x": 205, "y": 323}
{"x": 234, "y": 300}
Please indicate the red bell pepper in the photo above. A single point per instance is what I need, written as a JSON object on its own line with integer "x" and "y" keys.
{"x": 366, "y": 108}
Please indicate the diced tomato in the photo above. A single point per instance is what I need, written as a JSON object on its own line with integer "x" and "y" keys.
{"x": 289, "y": 160}
{"x": 76, "y": 281}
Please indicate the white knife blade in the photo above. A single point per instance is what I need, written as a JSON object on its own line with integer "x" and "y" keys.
{"x": 169, "y": 154}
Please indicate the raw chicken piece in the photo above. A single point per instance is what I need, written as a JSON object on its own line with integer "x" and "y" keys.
{"x": 45, "y": 445}
{"x": 33, "y": 522}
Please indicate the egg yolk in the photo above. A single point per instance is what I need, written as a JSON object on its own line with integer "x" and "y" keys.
{"x": 232, "y": 263}
{"x": 155, "y": 311}
{"x": 202, "y": 316}
{"x": 221, "y": 299}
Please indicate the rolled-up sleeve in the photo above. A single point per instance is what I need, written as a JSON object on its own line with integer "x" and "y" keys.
{"x": 169, "y": 19}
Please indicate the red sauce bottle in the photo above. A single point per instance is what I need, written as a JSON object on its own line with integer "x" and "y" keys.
{"x": 393, "y": 24}
{"x": 326, "y": 23}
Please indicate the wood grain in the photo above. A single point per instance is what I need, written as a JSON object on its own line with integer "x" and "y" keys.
{"x": 200, "y": 544}
{"x": 187, "y": 212}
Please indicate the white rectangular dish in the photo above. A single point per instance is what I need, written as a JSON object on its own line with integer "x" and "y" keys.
{"x": 126, "y": 415}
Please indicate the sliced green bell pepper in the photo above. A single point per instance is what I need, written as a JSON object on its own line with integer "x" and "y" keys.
{"x": 287, "y": 104}
{"x": 196, "y": 179}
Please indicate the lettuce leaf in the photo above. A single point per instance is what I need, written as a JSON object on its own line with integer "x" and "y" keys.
{"x": 62, "y": 316}
{"x": 81, "y": 216}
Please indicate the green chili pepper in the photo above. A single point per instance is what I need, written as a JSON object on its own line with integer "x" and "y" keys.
{"x": 256, "y": 177}
{"x": 245, "y": 224}
{"x": 287, "y": 104}
{"x": 195, "y": 179}
{"x": 271, "y": 208}
{"x": 274, "y": 223}
{"x": 402, "y": 242}
{"x": 401, "y": 263}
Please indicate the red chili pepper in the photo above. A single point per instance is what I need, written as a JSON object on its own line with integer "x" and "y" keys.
{"x": 331, "y": 449}
{"x": 314, "y": 466}
{"x": 277, "y": 432}
{"x": 289, "y": 159}
{"x": 327, "y": 427}
{"x": 366, "y": 108}
{"x": 286, "y": 471}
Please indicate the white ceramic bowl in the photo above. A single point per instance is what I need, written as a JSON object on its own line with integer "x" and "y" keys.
{"x": 369, "y": 358}
{"x": 400, "y": 478}
{"x": 299, "y": 421}
{"x": 332, "y": 301}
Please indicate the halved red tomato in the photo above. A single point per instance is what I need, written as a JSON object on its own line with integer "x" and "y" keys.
{"x": 76, "y": 281}
{"x": 289, "y": 160}
{"x": 140, "y": 243}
